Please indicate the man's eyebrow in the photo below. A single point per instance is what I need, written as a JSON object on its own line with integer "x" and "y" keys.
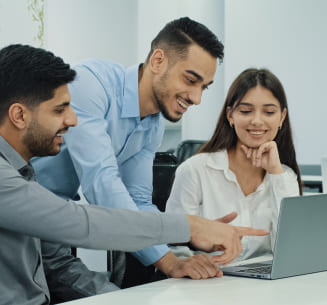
{"x": 198, "y": 76}
{"x": 64, "y": 104}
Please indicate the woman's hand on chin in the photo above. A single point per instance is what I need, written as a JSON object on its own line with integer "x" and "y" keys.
{"x": 265, "y": 156}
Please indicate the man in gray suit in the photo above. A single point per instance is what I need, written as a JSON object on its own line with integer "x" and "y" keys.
{"x": 35, "y": 112}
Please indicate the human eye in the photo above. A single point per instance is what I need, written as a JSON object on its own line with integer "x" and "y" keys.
{"x": 59, "y": 110}
{"x": 190, "y": 80}
{"x": 270, "y": 111}
{"x": 244, "y": 110}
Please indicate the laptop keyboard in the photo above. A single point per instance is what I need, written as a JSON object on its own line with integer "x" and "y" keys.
{"x": 256, "y": 268}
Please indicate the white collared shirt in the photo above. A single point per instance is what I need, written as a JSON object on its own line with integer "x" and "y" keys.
{"x": 205, "y": 186}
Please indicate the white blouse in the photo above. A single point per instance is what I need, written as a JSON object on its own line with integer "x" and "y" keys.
{"x": 205, "y": 186}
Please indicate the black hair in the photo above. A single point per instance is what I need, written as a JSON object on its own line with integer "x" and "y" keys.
{"x": 179, "y": 34}
{"x": 30, "y": 75}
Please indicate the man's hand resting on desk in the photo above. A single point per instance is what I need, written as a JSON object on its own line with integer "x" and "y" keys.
{"x": 200, "y": 266}
{"x": 215, "y": 235}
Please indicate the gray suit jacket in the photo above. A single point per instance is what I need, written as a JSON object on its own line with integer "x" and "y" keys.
{"x": 68, "y": 278}
{"x": 29, "y": 213}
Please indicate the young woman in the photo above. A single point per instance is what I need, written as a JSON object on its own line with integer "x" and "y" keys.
{"x": 247, "y": 166}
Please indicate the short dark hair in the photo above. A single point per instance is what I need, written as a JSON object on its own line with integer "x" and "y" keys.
{"x": 30, "y": 75}
{"x": 224, "y": 137}
{"x": 179, "y": 34}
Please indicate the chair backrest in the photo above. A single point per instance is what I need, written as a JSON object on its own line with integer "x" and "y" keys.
{"x": 187, "y": 149}
{"x": 164, "y": 166}
{"x": 309, "y": 185}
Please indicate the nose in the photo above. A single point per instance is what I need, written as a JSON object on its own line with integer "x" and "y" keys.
{"x": 195, "y": 96}
{"x": 256, "y": 119}
{"x": 71, "y": 118}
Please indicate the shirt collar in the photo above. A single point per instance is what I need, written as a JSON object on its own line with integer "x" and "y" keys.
{"x": 11, "y": 155}
{"x": 131, "y": 107}
{"x": 16, "y": 160}
{"x": 218, "y": 160}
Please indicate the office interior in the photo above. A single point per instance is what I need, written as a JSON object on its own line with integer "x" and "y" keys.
{"x": 289, "y": 37}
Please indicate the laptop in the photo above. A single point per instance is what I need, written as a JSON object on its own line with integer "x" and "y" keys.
{"x": 301, "y": 241}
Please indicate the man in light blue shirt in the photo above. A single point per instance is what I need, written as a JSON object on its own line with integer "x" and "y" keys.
{"x": 110, "y": 153}
{"x": 35, "y": 113}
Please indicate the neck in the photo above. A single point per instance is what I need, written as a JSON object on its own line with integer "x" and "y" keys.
{"x": 147, "y": 101}
{"x": 248, "y": 176}
{"x": 15, "y": 140}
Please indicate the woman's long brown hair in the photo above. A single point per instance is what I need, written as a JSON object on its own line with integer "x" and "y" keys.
{"x": 224, "y": 136}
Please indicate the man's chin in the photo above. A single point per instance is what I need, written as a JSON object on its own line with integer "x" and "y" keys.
{"x": 49, "y": 153}
{"x": 171, "y": 118}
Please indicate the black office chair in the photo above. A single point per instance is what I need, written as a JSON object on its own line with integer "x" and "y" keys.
{"x": 311, "y": 170}
{"x": 187, "y": 149}
{"x": 164, "y": 166}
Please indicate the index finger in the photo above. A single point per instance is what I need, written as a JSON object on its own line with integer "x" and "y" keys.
{"x": 243, "y": 231}
{"x": 227, "y": 218}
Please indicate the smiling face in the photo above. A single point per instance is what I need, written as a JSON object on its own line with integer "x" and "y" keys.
{"x": 49, "y": 121}
{"x": 257, "y": 117}
{"x": 181, "y": 84}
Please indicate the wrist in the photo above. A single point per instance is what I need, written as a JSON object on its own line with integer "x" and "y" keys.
{"x": 166, "y": 264}
{"x": 277, "y": 170}
{"x": 195, "y": 223}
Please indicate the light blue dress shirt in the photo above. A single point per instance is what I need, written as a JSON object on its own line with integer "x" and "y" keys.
{"x": 110, "y": 152}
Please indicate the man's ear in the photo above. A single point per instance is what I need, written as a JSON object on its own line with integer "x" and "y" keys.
{"x": 19, "y": 115}
{"x": 158, "y": 61}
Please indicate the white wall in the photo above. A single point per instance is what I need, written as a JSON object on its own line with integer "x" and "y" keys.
{"x": 16, "y": 24}
{"x": 290, "y": 38}
{"x": 78, "y": 29}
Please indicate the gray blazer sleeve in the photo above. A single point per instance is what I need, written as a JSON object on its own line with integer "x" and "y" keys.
{"x": 28, "y": 208}
{"x": 68, "y": 278}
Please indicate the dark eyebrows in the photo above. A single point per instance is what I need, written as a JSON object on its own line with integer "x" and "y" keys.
{"x": 265, "y": 105}
{"x": 198, "y": 76}
{"x": 270, "y": 105}
{"x": 62, "y": 105}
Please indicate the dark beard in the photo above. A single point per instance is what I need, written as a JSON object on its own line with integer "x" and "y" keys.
{"x": 38, "y": 141}
{"x": 164, "y": 110}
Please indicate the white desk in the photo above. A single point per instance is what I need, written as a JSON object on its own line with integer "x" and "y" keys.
{"x": 299, "y": 290}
